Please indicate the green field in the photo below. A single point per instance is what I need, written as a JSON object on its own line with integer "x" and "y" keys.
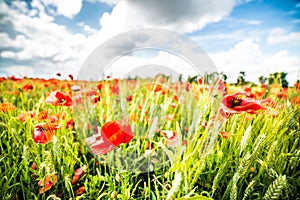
{"x": 246, "y": 156}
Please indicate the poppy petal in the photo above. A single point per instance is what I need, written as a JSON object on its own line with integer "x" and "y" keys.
{"x": 113, "y": 134}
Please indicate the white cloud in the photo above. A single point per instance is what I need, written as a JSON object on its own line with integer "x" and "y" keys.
{"x": 179, "y": 15}
{"x": 279, "y": 35}
{"x": 247, "y": 56}
{"x": 48, "y": 45}
{"x": 21, "y": 6}
{"x": 38, "y": 10}
{"x": 69, "y": 8}
{"x": 253, "y": 22}
{"x": 87, "y": 29}
{"x": 8, "y": 54}
{"x": 45, "y": 45}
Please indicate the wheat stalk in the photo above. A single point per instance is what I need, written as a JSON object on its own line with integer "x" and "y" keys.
{"x": 175, "y": 186}
{"x": 218, "y": 178}
{"x": 249, "y": 189}
{"x": 275, "y": 189}
{"x": 233, "y": 192}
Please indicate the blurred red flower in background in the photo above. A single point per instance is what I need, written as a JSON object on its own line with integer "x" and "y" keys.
{"x": 100, "y": 86}
{"x": 129, "y": 98}
{"x": 23, "y": 116}
{"x": 225, "y": 134}
{"x": 79, "y": 191}
{"x": 43, "y": 115}
{"x": 6, "y": 107}
{"x": 70, "y": 124}
{"x": 58, "y": 98}
{"x": 172, "y": 138}
{"x": 283, "y": 93}
{"x": 95, "y": 98}
{"x": 27, "y": 87}
{"x": 78, "y": 173}
{"x": 47, "y": 183}
{"x": 44, "y": 132}
{"x": 296, "y": 100}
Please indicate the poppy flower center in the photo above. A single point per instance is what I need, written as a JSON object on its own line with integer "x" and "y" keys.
{"x": 236, "y": 101}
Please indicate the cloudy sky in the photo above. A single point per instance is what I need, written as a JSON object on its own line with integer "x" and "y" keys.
{"x": 39, "y": 38}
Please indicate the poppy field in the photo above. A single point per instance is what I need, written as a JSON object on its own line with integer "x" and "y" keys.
{"x": 148, "y": 139}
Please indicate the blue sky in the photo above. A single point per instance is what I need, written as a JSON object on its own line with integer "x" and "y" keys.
{"x": 39, "y": 38}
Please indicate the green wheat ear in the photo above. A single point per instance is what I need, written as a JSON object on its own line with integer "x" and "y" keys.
{"x": 233, "y": 192}
{"x": 275, "y": 189}
{"x": 249, "y": 189}
{"x": 219, "y": 177}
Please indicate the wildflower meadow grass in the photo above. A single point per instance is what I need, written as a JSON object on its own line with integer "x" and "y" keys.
{"x": 184, "y": 147}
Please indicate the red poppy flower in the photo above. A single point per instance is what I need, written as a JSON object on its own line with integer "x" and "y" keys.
{"x": 188, "y": 87}
{"x": 100, "y": 86}
{"x": 91, "y": 93}
{"x": 200, "y": 80}
{"x": 113, "y": 134}
{"x": 225, "y": 134}
{"x": 156, "y": 87}
{"x": 95, "y": 98}
{"x": 2, "y": 79}
{"x": 79, "y": 191}
{"x": 233, "y": 104}
{"x": 33, "y": 166}
{"x": 13, "y": 78}
{"x": 44, "y": 132}
{"x": 171, "y": 117}
{"x": 296, "y": 100}
{"x": 297, "y": 85}
{"x": 129, "y": 98}
{"x": 248, "y": 93}
{"x": 282, "y": 94}
{"x": 53, "y": 118}
{"x": 43, "y": 115}
{"x": 173, "y": 104}
{"x": 175, "y": 98}
{"x": 6, "y": 107}
{"x": 27, "y": 87}
{"x": 172, "y": 138}
{"x": 47, "y": 183}
{"x": 58, "y": 98}
{"x": 78, "y": 173}
{"x": 23, "y": 116}
{"x": 115, "y": 89}
{"x": 70, "y": 124}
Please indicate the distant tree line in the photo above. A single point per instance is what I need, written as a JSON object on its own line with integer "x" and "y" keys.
{"x": 274, "y": 78}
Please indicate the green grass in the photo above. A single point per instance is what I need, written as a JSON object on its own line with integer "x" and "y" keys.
{"x": 260, "y": 160}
